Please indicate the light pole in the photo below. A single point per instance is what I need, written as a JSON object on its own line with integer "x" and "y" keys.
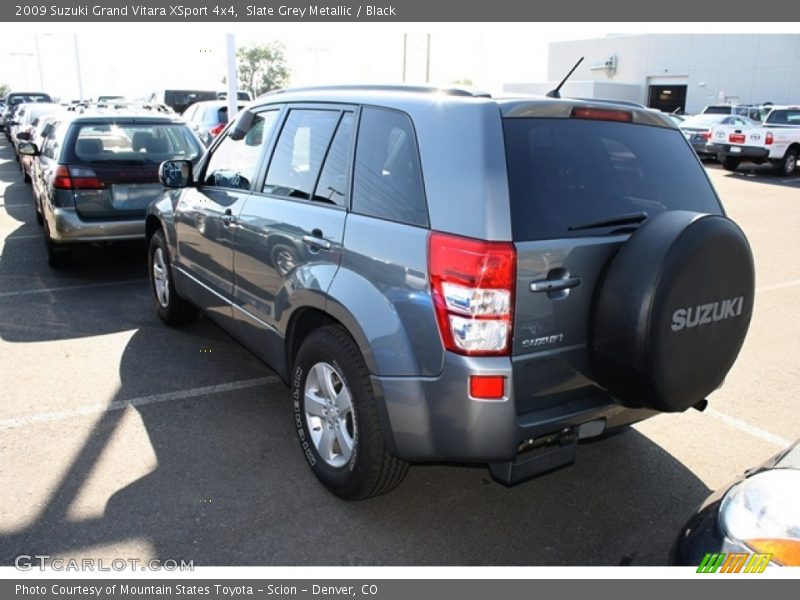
{"x": 78, "y": 66}
{"x": 22, "y": 56}
{"x": 38, "y": 60}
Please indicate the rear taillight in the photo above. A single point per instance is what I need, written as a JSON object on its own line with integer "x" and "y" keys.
{"x": 706, "y": 135}
{"x": 602, "y": 114}
{"x": 76, "y": 178}
{"x": 472, "y": 283}
{"x": 769, "y": 138}
{"x": 217, "y": 129}
{"x": 736, "y": 138}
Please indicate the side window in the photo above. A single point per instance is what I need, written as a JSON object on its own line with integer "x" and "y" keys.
{"x": 332, "y": 183}
{"x": 234, "y": 163}
{"x": 299, "y": 153}
{"x": 387, "y": 181}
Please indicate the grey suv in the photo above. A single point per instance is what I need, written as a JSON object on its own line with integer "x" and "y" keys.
{"x": 441, "y": 276}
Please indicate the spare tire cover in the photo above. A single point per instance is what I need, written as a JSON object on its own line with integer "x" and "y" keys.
{"x": 672, "y": 311}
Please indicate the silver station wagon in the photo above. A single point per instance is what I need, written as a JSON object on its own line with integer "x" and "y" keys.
{"x": 96, "y": 173}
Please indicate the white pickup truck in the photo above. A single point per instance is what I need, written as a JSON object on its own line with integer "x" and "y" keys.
{"x": 776, "y": 140}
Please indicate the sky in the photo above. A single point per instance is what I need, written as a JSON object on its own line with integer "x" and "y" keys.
{"x": 136, "y": 59}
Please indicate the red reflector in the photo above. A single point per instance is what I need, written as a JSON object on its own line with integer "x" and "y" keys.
{"x": 736, "y": 138}
{"x": 487, "y": 387}
{"x": 602, "y": 114}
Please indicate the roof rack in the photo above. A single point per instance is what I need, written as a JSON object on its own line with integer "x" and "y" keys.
{"x": 418, "y": 89}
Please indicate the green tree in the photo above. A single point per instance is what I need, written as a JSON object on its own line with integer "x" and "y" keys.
{"x": 262, "y": 68}
{"x": 4, "y": 89}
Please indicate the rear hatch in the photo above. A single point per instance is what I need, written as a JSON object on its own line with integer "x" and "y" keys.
{"x": 578, "y": 188}
{"x": 113, "y": 166}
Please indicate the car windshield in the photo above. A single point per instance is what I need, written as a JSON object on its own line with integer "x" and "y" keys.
{"x": 134, "y": 143}
{"x": 567, "y": 172}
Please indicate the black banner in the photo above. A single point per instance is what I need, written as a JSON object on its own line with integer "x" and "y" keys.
{"x": 398, "y": 11}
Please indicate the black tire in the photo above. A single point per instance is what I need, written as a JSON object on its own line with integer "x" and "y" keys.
{"x": 369, "y": 469}
{"x": 788, "y": 164}
{"x": 171, "y": 308}
{"x": 25, "y": 177}
{"x": 58, "y": 255}
{"x": 731, "y": 163}
{"x": 38, "y": 209}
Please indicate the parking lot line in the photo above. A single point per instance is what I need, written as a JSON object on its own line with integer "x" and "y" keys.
{"x": 70, "y": 287}
{"x": 778, "y": 286}
{"x": 747, "y": 428}
{"x": 140, "y": 401}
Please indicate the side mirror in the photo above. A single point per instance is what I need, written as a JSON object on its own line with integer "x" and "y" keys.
{"x": 28, "y": 149}
{"x": 175, "y": 173}
{"x": 24, "y": 136}
{"x": 244, "y": 121}
{"x": 11, "y": 123}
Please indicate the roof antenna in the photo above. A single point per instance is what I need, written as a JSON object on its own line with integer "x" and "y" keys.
{"x": 555, "y": 93}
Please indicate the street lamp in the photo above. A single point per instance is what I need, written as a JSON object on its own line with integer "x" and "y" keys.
{"x": 22, "y": 56}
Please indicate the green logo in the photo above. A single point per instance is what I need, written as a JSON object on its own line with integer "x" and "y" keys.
{"x": 735, "y": 562}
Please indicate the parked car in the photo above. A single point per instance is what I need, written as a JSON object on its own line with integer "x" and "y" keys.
{"x": 776, "y": 140}
{"x": 98, "y": 172}
{"x": 441, "y": 276}
{"x": 751, "y": 111}
{"x": 697, "y": 130}
{"x": 759, "y": 514}
{"x": 21, "y": 125}
{"x": 13, "y": 99}
{"x": 180, "y": 100}
{"x": 240, "y": 95}
{"x": 41, "y": 128}
{"x": 208, "y": 118}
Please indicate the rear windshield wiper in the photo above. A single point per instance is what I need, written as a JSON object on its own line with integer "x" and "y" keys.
{"x": 626, "y": 219}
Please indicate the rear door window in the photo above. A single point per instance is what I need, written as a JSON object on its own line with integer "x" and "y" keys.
{"x": 564, "y": 173}
{"x": 299, "y": 152}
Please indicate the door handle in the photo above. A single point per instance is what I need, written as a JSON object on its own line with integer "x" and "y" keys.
{"x": 315, "y": 242}
{"x": 555, "y": 285}
{"x": 227, "y": 217}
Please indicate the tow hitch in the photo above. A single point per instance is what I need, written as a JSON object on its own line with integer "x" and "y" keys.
{"x": 538, "y": 456}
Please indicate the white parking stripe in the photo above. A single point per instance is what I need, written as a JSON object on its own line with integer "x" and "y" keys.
{"x": 778, "y": 286}
{"x": 94, "y": 409}
{"x": 747, "y": 428}
{"x": 70, "y": 287}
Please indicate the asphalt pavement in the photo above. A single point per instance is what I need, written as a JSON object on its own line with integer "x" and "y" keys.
{"x": 123, "y": 438}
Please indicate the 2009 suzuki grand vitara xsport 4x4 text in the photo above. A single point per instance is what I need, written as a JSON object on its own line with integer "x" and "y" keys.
{"x": 445, "y": 276}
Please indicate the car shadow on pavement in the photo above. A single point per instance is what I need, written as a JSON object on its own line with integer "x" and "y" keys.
{"x": 231, "y": 488}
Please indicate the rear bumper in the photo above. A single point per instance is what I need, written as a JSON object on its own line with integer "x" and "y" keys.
{"x": 744, "y": 152}
{"x": 435, "y": 419}
{"x": 66, "y": 226}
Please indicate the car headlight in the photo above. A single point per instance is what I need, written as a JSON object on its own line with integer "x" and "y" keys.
{"x": 763, "y": 512}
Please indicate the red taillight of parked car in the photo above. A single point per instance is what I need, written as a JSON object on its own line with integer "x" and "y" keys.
{"x": 487, "y": 387}
{"x": 472, "y": 283}
{"x": 769, "y": 138}
{"x": 76, "y": 178}
{"x": 706, "y": 135}
{"x": 217, "y": 129}
{"x": 736, "y": 138}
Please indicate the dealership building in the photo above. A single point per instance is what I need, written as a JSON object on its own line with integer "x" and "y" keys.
{"x": 677, "y": 71}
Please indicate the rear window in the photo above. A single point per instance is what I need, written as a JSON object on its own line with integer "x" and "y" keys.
{"x": 134, "y": 143}
{"x": 781, "y": 116}
{"x": 565, "y": 173}
{"x": 23, "y": 98}
{"x": 717, "y": 110}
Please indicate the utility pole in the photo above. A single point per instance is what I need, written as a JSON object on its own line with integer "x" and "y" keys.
{"x": 78, "y": 66}
{"x": 428, "y": 61}
{"x": 405, "y": 53}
